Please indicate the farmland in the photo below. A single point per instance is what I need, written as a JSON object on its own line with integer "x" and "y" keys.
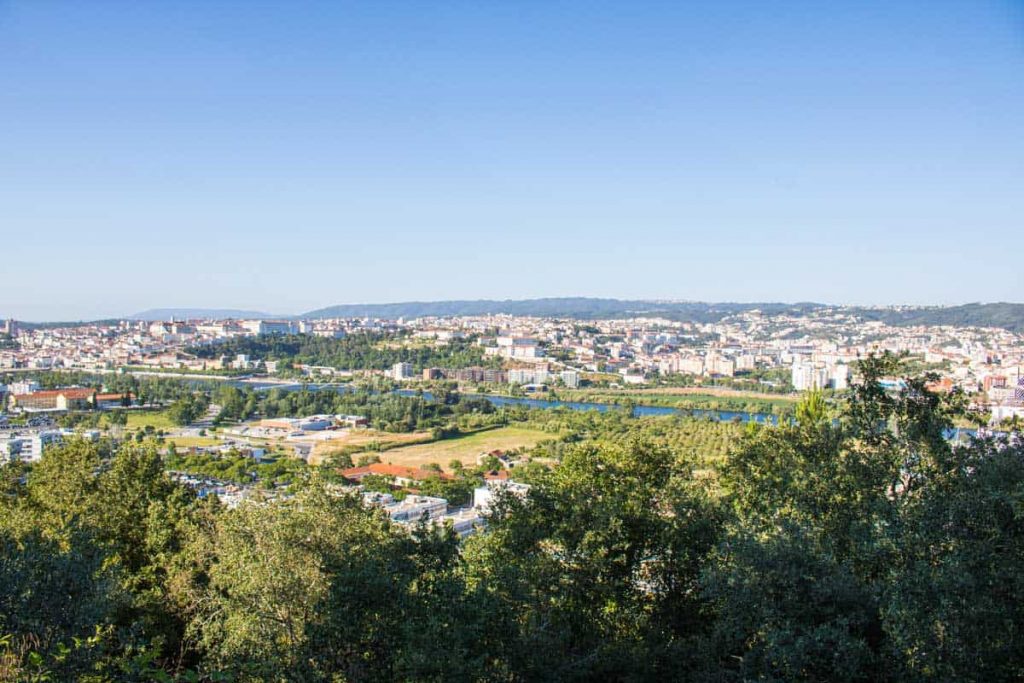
{"x": 465, "y": 448}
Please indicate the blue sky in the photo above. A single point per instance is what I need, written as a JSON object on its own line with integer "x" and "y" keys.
{"x": 286, "y": 156}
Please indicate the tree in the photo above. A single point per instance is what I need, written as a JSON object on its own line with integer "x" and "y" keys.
{"x": 97, "y": 537}
{"x": 490, "y": 463}
{"x": 322, "y": 588}
{"x": 855, "y": 543}
{"x": 51, "y": 592}
{"x": 188, "y": 408}
{"x": 338, "y": 460}
{"x": 598, "y": 566}
{"x": 801, "y": 588}
{"x": 117, "y": 418}
{"x": 955, "y": 607}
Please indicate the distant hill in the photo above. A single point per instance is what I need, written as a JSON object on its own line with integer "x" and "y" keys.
{"x": 1005, "y": 315}
{"x": 564, "y": 307}
{"x": 1008, "y": 316}
{"x": 189, "y": 313}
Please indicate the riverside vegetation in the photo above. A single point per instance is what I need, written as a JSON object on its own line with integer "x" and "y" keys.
{"x": 855, "y": 544}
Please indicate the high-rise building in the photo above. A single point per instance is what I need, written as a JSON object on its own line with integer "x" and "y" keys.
{"x": 527, "y": 376}
{"x": 839, "y": 377}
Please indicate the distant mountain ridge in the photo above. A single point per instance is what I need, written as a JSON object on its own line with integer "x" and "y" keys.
{"x": 1002, "y": 314}
{"x": 555, "y": 307}
{"x": 1009, "y": 316}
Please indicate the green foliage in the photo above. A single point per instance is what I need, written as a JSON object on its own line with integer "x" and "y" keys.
{"x": 1006, "y": 315}
{"x": 188, "y": 408}
{"x": 320, "y": 588}
{"x": 953, "y": 608}
{"x": 458, "y": 491}
{"x": 854, "y": 544}
{"x": 360, "y": 351}
{"x": 93, "y": 545}
{"x": 278, "y": 472}
{"x": 598, "y": 566}
{"x": 385, "y": 411}
{"x": 117, "y": 418}
{"x": 693, "y": 403}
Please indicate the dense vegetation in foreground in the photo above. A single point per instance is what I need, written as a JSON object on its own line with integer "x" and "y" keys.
{"x": 859, "y": 548}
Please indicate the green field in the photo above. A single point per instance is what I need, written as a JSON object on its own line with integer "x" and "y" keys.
{"x": 158, "y": 419}
{"x": 465, "y": 448}
{"x": 190, "y": 441}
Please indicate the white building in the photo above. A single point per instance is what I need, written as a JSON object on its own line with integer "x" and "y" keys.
{"x": 839, "y": 377}
{"x": 518, "y": 347}
{"x": 745, "y": 361}
{"x": 483, "y": 496}
{"x": 28, "y": 448}
{"x": 691, "y": 365}
{"x": 805, "y": 376}
{"x": 243, "y": 362}
{"x": 23, "y": 387}
{"x": 401, "y": 371}
{"x": 414, "y": 508}
{"x": 528, "y": 376}
{"x": 269, "y": 326}
{"x": 719, "y": 365}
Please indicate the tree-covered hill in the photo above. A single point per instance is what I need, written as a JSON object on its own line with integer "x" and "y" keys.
{"x": 1005, "y": 315}
{"x": 564, "y": 307}
{"x": 1009, "y": 316}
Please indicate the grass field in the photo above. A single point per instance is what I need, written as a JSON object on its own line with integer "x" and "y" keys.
{"x": 358, "y": 440}
{"x": 159, "y": 419}
{"x": 464, "y": 448}
{"x": 189, "y": 441}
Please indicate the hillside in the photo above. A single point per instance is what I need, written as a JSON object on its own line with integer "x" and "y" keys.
{"x": 564, "y": 307}
{"x": 1008, "y": 316}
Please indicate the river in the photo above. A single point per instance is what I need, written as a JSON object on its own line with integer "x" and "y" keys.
{"x": 545, "y": 404}
{"x": 955, "y": 434}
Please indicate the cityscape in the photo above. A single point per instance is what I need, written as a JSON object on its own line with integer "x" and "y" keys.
{"x": 511, "y": 342}
{"x": 783, "y": 353}
{"x": 748, "y": 358}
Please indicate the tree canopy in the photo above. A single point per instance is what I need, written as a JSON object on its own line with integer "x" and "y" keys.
{"x": 856, "y": 544}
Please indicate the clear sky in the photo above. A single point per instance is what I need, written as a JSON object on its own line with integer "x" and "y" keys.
{"x": 287, "y": 156}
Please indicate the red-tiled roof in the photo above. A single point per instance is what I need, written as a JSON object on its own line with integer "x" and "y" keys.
{"x": 111, "y": 397}
{"x": 66, "y": 393}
